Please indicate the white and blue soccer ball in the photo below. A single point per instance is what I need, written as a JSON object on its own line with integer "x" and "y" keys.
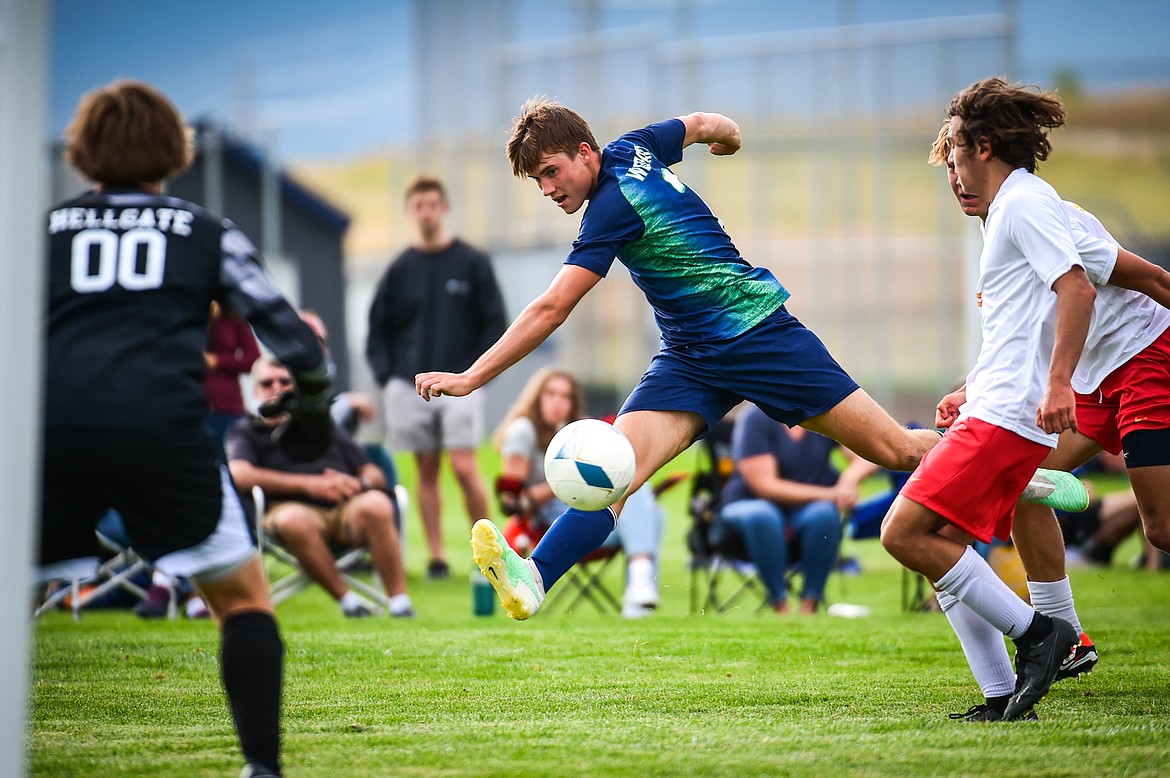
{"x": 589, "y": 464}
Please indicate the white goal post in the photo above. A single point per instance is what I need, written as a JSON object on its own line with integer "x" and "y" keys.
{"x": 23, "y": 193}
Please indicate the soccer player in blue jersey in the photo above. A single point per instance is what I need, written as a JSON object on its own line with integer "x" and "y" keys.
{"x": 726, "y": 335}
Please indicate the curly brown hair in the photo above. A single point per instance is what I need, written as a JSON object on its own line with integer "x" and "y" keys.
{"x": 1015, "y": 120}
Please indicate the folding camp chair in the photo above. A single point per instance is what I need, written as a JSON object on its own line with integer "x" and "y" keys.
{"x": 585, "y": 582}
{"x": 712, "y": 565}
{"x": 120, "y": 571}
{"x": 284, "y": 584}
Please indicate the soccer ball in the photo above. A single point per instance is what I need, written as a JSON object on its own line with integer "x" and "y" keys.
{"x": 589, "y": 464}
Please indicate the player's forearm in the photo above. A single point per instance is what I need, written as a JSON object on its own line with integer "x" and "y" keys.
{"x": 1074, "y": 310}
{"x": 1133, "y": 272}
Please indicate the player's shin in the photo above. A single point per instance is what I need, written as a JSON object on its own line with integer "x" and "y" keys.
{"x": 252, "y": 661}
{"x": 572, "y": 536}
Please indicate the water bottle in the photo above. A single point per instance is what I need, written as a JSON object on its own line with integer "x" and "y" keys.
{"x": 483, "y": 596}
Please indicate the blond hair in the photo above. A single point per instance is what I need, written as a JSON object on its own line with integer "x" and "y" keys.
{"x": 527, "y": 405}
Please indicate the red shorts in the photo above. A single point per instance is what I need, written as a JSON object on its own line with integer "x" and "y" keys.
{"x": 974, "y": 476}
{"x": 1135, "y": 396}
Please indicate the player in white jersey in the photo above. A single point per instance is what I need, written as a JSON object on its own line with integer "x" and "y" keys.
{"x": 1036, "y": 304}
{"x": 1130, "y": 324}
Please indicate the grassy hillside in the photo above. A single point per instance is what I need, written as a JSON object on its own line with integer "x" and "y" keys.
{"x": 1114, "y": 158}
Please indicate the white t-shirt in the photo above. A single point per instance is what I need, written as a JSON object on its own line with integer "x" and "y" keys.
{"x": 1027, "y": 245}
{"x": 1124, "y": 322}
{"x": 519, "y": 439}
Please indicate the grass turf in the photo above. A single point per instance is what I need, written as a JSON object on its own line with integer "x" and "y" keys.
{"x": 745, "y": 693}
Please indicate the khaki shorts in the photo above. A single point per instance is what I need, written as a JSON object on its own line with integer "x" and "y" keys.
{"x": 331, "y": 520}
{"x": 413, "y": 424}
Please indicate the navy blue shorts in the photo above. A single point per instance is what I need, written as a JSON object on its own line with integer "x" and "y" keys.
{"x": 779, "y": 365}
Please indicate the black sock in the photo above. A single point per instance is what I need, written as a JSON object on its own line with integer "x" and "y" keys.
{"x": 252, "y": 660}
{"x": 1039, "y": 629}
{"x": 998, "y": 704}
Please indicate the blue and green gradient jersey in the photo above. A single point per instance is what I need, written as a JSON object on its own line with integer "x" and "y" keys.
{"x": 677, "y": 252}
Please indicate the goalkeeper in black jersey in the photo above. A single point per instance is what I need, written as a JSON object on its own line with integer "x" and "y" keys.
{"x": 132, "y": 274}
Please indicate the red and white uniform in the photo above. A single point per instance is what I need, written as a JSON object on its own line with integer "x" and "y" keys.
{"x": 1123, "y": 378}
{"x": 977, "y": 472}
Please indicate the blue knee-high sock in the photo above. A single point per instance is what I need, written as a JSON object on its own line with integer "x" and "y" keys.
{"x": 573, "y": 535}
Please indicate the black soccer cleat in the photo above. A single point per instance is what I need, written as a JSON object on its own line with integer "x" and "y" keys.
{"x": 1037, "y": 666}
{"x": 984, "y": 713}
{"x": 1081, "y": 661}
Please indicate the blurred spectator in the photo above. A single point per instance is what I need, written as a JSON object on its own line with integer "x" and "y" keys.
{"x": 1092, "y": 536}
{"x": 231, "y": 351}
{"x": 339, "y": 498}
{"x": 785, "y": 490}
{"x": 550, "y": 400}
{"x": 438, "y": 306}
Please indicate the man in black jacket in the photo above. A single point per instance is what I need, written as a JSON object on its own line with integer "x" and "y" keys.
{"x": 437, "y": 304}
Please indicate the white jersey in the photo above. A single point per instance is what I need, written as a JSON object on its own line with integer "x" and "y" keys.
{"x": 1124, "y": 322}
{"x": 1027, "y": 245}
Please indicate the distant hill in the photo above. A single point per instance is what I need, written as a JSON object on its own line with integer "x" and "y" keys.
{"x": 1113, "y": 158}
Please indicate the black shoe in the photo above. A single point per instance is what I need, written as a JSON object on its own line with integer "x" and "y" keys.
{"x": 985, "y": 713}
{"x": 437, "y": 570}
{"x": 1037, "y": 666}
{"x": 1081, "y": 661}
{"x": 982, "y": 712}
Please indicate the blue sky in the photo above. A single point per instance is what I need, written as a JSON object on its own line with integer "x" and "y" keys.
{"x": 334, "y": 77}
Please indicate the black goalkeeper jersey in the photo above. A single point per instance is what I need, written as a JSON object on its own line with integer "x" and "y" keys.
{"x": 131, "y": 279}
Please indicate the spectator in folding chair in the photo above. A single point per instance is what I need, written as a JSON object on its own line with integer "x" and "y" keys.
{"x": 786, "y": 490}
{"x": 708, "y": 559}
{"x": 337, "y": 498}
{"x": 551, "y": 399}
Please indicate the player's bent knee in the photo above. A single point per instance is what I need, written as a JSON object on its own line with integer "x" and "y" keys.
{"x": 1157, "y": 530}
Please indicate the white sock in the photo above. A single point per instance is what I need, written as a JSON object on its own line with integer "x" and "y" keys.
{"x": 161, "y": 579}
{"x": 640, "y": 573}
{"x": 399, "y": 603}
{"x": 350, "y": 600}
{"x": 975, "y": 584}
{"x": 536, "y": 577}
{"x": 983, "y": 645}
{"x": 1055, "y": 598}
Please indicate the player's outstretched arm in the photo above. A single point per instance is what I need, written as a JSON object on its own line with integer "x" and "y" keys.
{"x": 535, "y": 323}
{"x": 1133, "y": 272}
{"x": 714, "y": 129}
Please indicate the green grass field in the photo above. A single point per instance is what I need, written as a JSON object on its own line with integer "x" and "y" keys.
{"x": 745, "y": 693}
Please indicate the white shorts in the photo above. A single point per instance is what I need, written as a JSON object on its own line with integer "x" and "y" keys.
{"x": 413, "y": 424}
